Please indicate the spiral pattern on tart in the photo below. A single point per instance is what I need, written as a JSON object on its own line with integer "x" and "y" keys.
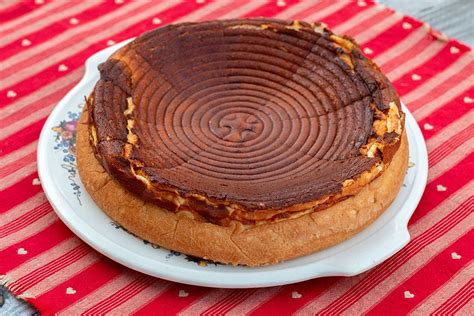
{"x": 247, "y": 120}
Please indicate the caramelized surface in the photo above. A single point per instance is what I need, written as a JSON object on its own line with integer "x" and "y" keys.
{"x": 250, "y": 120}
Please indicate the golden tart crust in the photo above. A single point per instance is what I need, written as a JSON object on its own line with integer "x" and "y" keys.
{"x": 237, "y": 243}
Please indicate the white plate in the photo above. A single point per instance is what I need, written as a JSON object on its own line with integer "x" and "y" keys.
{"x": 63, "y": 187}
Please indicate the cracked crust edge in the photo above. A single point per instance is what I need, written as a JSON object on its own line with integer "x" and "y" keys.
{"x": 251, "y": 245}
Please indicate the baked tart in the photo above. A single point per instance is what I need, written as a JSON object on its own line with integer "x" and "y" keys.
{"x": 246, "y": 141}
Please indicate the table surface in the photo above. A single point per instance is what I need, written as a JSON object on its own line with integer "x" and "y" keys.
{"x": 455, "y": 18}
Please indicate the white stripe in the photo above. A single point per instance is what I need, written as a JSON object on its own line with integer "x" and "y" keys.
{"x": 433, "y": 82}
{"x": 140, "y": 299}
{"x": 50, "y": 268}
{"x": 5, "y": 4}
{"x": 429, "y": 107}
{"x": 208, "y": 300}
{"x": 316, "y": 16}
{"x": 28, "y": 231}
{"x": 240, "y": 11}
{"x": 18, "y": 210}
{"x": 356, "y": 19}
{"x": 235, "y": 297}
{"x": 26, "y": 121}
{"x": 18, "y": 154}
{"x": 451, "y": 130}
{"x": 294, "y": 9}
{"x": 429, "y": 220}
{"x": 257, "y": 299}
{"x": 451, "y": 160}
{"x": 15, "y": 166}
{"x": 33, "y": 14}
{"x": 102, "y": 292}
{"x": 25, "y": 219}
{"x": 422, "y": 258}
{"x": 64, "y": 274}
{"x": 463, "y": 296}
{"x": 27, "y": 270}
{"x": 42, "y": 93}
{"x": 51, "y": 47}
{"x": 443, "y": 293}
{"x": 404, "y": 66}
{"x": 402, "y": 46}
{"x": 378, "y": 28}
{"x": 467, "y": 309}
{"x": 51, "y": 18}
{"x": 18, "y": 175}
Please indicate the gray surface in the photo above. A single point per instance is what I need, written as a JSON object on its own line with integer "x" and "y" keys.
{"x": 455, "y": 18}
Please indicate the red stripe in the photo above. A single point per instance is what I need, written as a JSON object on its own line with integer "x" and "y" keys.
{"x": 392, "y": 36}
{"x": 391, "y": 265}
{"x": 407, "y": 55}
{"x": 50, "y": 268}
{"x": 80, "y": 35}
{"x": 85, "y": 282}
{"x": 16, "y": 165}
{"x": 54, "y": 29}
{"x": 16, "y": 11}
{"x": 35, "y": 245}
{"x": 301, "y": 15}
{"x": 365, "y": 24}
{"x": 25, "y": 136}
{"x": 422, "y": 286}
{"x": 450, "y": 145}
{"x": 269, "y": 9}
{"x": 25, "y": 219}
{"x": 454, "y": 179}
{"x": 166, "y": 17}
{"x": 344, "y": 14}
{"x": 457, "y": 301}
{"x": 283, "y": 300}
{"x": 18, "y": 193}
{"x": 53, "y": 10}
{"x": 234, "y": 297}
{"x": 446, "y": 114}
{"x": 77, "y": 60}
{"x": 436, "y": 64}
{"x": 167, "y": 302}
{"x": 121, "y": 295}
{"x": 49, "y": 101}
{"x": 445, "y": 86}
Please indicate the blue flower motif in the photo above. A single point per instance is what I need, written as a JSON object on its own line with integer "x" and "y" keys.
{"x": 66, "y": 141}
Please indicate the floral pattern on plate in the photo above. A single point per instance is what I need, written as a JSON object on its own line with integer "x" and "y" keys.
{"x": 65, "y": 142}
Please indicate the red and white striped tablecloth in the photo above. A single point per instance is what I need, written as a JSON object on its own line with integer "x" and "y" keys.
{"x": 43, "y": 46}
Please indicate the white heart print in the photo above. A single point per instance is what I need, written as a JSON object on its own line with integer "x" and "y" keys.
{"x": 441, "y": 188}
{"x": 455, "y": 256}
{"x": 21, "y": 251}
{"x": 70, "y": 291}
{"x": 183, "y": 293}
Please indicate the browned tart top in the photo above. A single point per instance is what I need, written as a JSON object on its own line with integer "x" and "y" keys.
{"x": 252, "y": 120}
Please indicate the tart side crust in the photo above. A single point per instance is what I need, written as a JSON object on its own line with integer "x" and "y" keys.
{"x": 251, "y": 245}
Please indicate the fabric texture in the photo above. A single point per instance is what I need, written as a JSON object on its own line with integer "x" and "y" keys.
{"x": 43, "y": 47}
